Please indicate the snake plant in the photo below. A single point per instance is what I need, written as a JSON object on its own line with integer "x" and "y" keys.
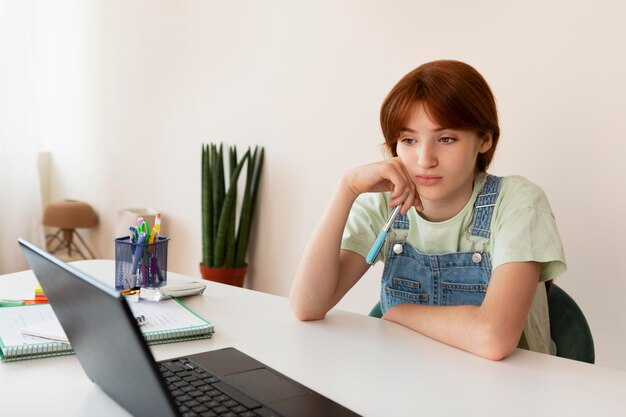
{"x": 224, "y": 243}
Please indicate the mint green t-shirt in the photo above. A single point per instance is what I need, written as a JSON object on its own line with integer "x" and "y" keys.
{"x": 522, "y": 229}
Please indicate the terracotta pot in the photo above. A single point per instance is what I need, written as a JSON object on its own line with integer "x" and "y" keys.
{"x": 230, "y": 276}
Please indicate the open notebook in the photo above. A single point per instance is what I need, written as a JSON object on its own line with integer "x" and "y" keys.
{"x": 165, "y": 322}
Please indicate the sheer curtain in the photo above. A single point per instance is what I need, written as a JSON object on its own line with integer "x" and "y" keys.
{"x": 20, "y": 186}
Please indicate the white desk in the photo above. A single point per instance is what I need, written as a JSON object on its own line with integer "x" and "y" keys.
{"x": 373, "y": 367}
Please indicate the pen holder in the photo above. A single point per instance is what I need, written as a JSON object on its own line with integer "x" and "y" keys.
{"x": 141, "y": 265}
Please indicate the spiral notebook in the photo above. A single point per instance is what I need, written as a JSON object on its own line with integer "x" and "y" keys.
{"x": 167, "y": 321}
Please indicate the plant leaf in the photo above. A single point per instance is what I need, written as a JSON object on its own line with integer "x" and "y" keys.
{"x": 255, "y": 165}
{"x": 228, "y": 210}
{"x": 230, "y": 232}
{"x": 206, "y": 206}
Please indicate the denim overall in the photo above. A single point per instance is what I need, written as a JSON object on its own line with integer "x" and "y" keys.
{"x": 449, "y": 279}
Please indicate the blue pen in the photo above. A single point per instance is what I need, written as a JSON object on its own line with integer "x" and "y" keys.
{"x": 373, "y": 253}
{"x": 138, "y": 249}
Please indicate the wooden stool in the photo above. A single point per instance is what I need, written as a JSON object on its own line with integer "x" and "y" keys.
{"x": 69, "y": 215}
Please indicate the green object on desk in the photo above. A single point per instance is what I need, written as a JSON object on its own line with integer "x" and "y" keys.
{"x": 11, "y": 303}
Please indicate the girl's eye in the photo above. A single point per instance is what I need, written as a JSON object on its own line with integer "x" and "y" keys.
{"x": 447, "y": 139}
{"x": 407, "y": 141}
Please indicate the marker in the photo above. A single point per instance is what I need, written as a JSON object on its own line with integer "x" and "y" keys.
{"x": 17, "y": 303}
{"x": 155, "y": 233}
{"x": 145, "y": 229}
{"x": 138, "y": 249}
{"x": 157, "y": 224}
{"x": 11, "y": 303}
{"x": 373, "y": 253}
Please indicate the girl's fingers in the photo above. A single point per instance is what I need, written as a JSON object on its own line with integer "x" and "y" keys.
{"x": 414, "y": 198}
{"x": 402, "y": 182}
{"x": 408, "y": 196}
{"x": 389, "y": 175}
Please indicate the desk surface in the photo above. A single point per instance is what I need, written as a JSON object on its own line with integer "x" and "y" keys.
{"x": 373, "y": 367}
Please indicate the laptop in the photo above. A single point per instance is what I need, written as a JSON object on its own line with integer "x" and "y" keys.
{"x": 113, "y": 353}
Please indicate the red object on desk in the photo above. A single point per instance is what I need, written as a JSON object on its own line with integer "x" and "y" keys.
{"x": 39, "y": 301}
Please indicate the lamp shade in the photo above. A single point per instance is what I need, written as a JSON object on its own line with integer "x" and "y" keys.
{"x": 69, "y": 214}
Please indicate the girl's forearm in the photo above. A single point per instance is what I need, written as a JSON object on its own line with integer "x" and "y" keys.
{"x": 316, "y": 285}
{"x": 464, "y": 327}
{"x": 492, "y": 330}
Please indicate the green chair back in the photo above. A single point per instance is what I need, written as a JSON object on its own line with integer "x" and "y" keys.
{"x": 376, "y": 311}
{"x": 569, "y": 328}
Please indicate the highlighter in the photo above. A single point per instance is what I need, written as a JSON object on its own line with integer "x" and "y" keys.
{"x": 373, "y": 253}
{"x": 11, "y": 303}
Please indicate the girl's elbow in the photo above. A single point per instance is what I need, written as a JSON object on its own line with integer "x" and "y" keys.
{"x": 304, "y": 313}
{"x": 496, "y": 351}
{"x": 497, "y": 346}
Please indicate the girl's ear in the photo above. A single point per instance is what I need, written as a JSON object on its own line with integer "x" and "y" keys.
{"x": 487, "y": 142}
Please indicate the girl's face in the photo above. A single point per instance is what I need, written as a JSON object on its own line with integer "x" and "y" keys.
{"x": 440, "y": 161}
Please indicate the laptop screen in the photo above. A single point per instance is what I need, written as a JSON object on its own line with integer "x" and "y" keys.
{"x": 104, "y": 335}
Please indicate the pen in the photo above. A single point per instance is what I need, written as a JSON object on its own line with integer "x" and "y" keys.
{"x": 143, "y": 227}
{"x": 138, "y": 249}
{"x": 11, "y": 303}
{"x": 371, "y": 256}
{"x": 155, "y": 232}
{"x": 16, "y": 303}
{"x": 157, "y": 225}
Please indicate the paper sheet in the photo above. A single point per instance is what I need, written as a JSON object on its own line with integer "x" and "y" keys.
{"x": 49, "y": 330}
{"x": 13, "y": 319}
{"x": 44, "y": 326}
{"x": 165, "y": 315}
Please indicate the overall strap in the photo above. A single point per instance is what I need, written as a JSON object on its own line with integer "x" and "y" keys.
{"x": 401, "y": 222}
{"x": 484, "y": 205}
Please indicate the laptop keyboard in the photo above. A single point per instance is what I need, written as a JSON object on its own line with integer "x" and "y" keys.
{"x": 197, "y": 392}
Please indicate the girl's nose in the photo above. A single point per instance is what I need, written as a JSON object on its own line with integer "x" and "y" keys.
{"x": 426, "y": 157}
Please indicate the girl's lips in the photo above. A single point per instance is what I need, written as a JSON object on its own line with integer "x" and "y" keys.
{"x": 427, "y": 179}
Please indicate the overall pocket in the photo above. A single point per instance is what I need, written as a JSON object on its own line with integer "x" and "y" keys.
{"x": 458, "y": 294}
{"x": 402, "y": 290}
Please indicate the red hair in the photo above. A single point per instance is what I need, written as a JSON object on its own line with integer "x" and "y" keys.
{"x": 454, "y": 95}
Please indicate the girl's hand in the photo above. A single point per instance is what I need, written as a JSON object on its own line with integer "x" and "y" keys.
{"x": 388, "y": 175}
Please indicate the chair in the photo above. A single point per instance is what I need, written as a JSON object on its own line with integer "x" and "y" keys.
{"x": 68, "y": 215}
{"x": 568, "y": 327}
{"x": 376, "y": 311}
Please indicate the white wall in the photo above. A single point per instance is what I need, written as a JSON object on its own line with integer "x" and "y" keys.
{"x": 132, "y": 90}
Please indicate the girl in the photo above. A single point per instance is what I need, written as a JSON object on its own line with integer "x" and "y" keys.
{"x": 466, "y": 259}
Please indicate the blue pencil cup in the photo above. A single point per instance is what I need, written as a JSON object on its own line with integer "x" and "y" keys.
{"x": 140, "y": 265}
